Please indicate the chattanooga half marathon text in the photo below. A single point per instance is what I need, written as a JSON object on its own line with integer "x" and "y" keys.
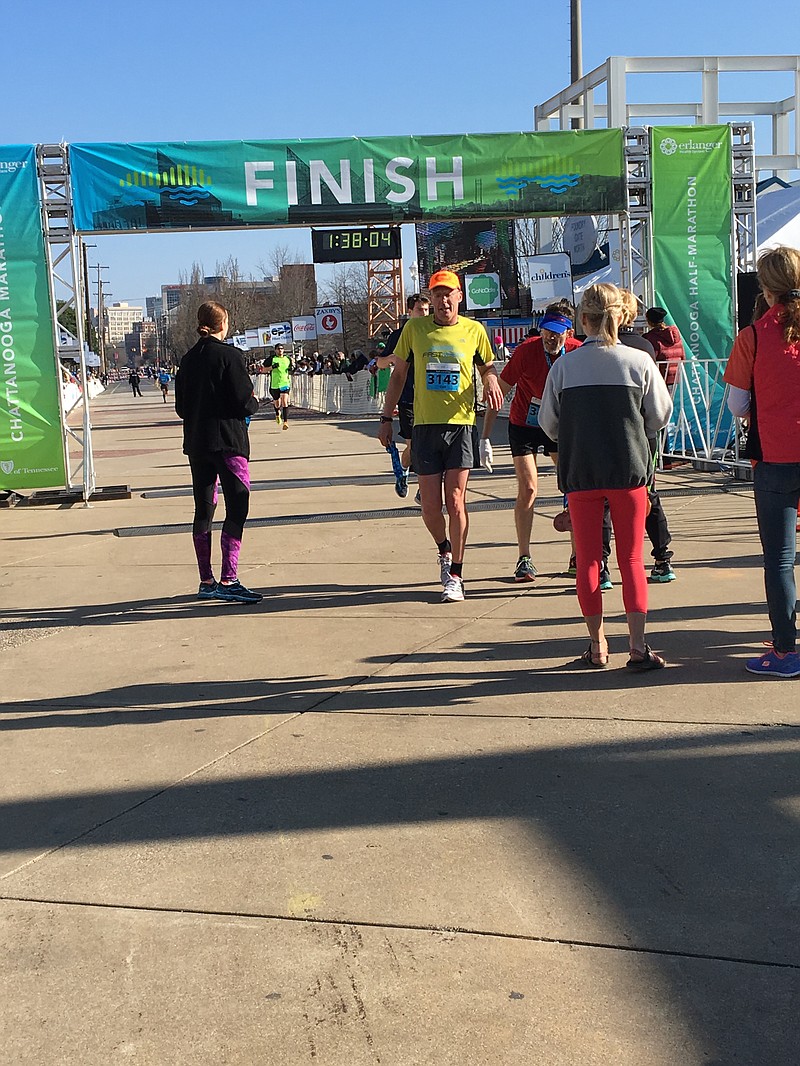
{"x": 7, "y": 347}
{"x": 694, "y": 285}
{"x": 341, "y": 188}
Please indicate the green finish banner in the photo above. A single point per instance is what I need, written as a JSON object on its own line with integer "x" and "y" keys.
{"x": 692, "y": 217}
{"x": 236, "y": 184}
{"x": 31, "y": 439}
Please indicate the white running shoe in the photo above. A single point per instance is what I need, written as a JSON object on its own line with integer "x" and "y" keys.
{"x": 445, "y": 561}
{"x": 453, "y": 590}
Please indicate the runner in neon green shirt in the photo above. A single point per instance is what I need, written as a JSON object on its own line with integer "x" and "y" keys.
{"x": 280, "y": 383}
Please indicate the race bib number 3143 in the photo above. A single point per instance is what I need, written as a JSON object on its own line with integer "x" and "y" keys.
{"x": 442, "y": 377}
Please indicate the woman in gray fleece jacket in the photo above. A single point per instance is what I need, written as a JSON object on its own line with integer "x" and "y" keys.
{"x": 603, "y": 403}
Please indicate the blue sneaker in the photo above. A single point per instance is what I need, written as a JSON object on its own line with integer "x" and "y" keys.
{"x": 771, "y": 664}
{"x": 236, "y": 593}
{"x": 605, "y": 580}
{"x": 401, "y": 486}
{"x": 662, "y": 572}
{"x": 207, "y": 592}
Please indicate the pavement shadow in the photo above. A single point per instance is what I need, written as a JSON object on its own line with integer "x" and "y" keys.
{"x": 188, "y": 607}
{"x": 691, "y": 842}
{"x": 149, "y": 704}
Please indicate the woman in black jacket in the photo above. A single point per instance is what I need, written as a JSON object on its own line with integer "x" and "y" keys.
{"x": 214, "y": 397}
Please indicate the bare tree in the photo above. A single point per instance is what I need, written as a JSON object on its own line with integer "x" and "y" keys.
{"x": 525, "y": 237}
{"x": 348, "y": 288}
{"x": 181, "y": 332}
{"x": 279, "y": 256}
{"x": 296, "y": 284}
{"x": 246, "y": 301}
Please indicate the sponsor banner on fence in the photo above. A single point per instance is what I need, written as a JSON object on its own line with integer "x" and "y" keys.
{"x": 482, "y": 291}
{"x": 550, "y": 279}
{"x": 692, "y": 207}
{"x": 252, "y": 338}
{"x": 31, "y": 438}
{"x": 328, "y": 320}
{"x": 276, "y": 333}
{"x": 304, "y": 328}
{"x": 235, "y": 184}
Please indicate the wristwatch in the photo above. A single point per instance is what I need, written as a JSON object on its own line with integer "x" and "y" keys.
{"x": 386, "y": 418}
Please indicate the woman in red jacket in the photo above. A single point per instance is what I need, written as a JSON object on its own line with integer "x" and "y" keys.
{"x": 667, "y": 344}
{"x": 763, "y": 373}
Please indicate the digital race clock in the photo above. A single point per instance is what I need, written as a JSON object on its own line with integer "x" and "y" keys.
{"x": 355, "y": 245}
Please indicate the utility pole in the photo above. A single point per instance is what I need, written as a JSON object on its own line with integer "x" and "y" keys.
{"x": 576, "y": 51}
{"x": 101, "y": 316}
{"x": 86, "y": 296}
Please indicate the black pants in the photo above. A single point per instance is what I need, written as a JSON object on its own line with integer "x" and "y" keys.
{"x": 205, "y": 471}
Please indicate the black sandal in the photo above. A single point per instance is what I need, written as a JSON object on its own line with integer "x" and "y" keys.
{"x": 649, "y": 661}
{"x": 596, "y": 660}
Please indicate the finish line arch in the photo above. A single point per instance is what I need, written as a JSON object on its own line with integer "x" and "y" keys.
{"x": 210, "y": 186}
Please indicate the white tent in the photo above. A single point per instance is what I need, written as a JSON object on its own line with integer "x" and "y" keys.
{"x": 778, "y": 218}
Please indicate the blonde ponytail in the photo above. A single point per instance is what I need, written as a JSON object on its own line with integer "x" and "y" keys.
{"x": 602, "y": 309}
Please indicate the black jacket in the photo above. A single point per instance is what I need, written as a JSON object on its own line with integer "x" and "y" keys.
{"x": 213, "y": 396}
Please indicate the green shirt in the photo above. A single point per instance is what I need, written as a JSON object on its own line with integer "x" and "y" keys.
{"x": 279, "y": 377}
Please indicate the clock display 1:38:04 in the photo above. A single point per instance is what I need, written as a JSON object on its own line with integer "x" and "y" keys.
{"x": 356, "y": 244}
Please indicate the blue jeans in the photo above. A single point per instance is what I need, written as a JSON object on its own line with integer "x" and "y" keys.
{"x": 777, "y": 491}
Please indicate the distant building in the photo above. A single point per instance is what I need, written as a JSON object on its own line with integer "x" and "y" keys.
{"x": 171, "y": 297}
{"x": 212, "y": 287}
{"x": 121, "y": 318}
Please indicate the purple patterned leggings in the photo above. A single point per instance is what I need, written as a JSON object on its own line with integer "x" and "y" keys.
{"x": 233, "y": 473}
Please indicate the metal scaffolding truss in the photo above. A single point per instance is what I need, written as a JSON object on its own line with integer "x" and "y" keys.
{"x": 384, "y": 294}
{"x": 744, "y": 198}
{"x": 64, "y": 269}
{"x": 610, "y": 79}
{"x": 636, "y": 232}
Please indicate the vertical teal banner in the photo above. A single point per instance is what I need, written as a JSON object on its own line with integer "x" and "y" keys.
{"x": 692, "y": 217}
{"x": 31, "y": 439}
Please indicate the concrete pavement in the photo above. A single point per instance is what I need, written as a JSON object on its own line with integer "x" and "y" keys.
{"x": 355, "y": 825}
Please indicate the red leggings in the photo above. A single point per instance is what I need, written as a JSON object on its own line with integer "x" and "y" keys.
{"x": 628, "y": 512}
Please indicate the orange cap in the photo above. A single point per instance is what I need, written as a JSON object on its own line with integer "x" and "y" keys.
{"x": 446, "y": 278}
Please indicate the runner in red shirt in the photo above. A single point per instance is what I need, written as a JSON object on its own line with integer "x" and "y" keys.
{"x": 527, "y": 370}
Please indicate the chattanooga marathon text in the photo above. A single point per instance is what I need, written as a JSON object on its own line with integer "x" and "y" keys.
{"x": 694, "y": 287}
{"x": 7, "y": 348}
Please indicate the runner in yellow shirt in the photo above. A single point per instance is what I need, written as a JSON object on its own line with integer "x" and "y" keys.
{"x": 444, "y": 350}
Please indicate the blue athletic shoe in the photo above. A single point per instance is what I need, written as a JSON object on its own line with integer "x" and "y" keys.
{"x": 771, "y": 664}
{"x": 207, "y": 592}
{"x": 401, "y": 486}
{"x": 236, "y": 593}
{"x": 662, "y": 572}
{"x": 605, "y": 580}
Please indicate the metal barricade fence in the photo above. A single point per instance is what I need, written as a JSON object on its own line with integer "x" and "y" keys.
{"x": 701, "y": 428}
{"x": 329, "y": 394}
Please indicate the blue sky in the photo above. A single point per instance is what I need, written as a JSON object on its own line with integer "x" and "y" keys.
{"x": 82, "y": 71}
